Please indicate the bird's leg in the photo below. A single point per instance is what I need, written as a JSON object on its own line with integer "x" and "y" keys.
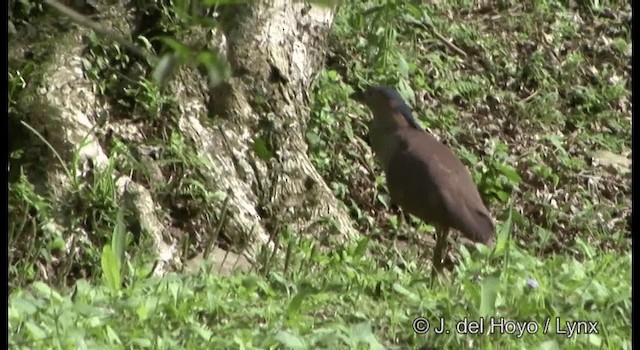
{"x": 439, "y": 250}
{"x": 398, "y": 224}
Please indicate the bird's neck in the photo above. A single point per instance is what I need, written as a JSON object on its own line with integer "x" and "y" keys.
{"x": 389, "y": 122}
{"x": 384, "y": 141}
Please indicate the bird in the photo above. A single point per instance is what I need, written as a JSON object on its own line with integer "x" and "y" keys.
{"x": 424, "y": 177}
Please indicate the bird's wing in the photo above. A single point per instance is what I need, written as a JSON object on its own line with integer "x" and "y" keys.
{"x": 447, "y": 182}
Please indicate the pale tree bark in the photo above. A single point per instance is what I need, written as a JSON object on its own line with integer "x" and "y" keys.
{"x": 275, "y": 49}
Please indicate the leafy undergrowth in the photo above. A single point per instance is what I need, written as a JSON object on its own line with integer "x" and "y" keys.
{"x": 533, "y": 97}
{"x": 345, "y": 300}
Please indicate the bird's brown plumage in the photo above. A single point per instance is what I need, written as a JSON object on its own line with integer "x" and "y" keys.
{"x": 424, "y": 177}
{"x": 427, "y": 180}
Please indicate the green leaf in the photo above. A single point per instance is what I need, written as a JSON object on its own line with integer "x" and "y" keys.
{"x": 361, "y": 248}
{"x": 549, "y": 345}
{"x": 119, "y": 239}
{"x": 182, "y": 50}
{"x": 290, "y": 340}
{"x": 36, "y": 332}
{"x": 203, "y": 332}
{"x": 110, "y": 270}
{"x": 141, "y": 343}
{"x": 217, "y": 68}
{"x": 405, "y": 292}
{"x": 261, "y": 149}
{"x": 296, "y": 302}
{"x": 503, "y": 235}
{"x": 363, "y": 334}
{"x": 510, "y": 173}
{"x": 403, "y": 67}
{"x": 404, "y": 88}
{"x": 112, "y": 336}
{"x": 595, "y": 340}
{"x": 556, "y": 141}
{"x": 46, "y": 291}
{"x": 19, "y": 308}
{"x": 488, "y": 296}
{"x": 313, "y": 139}
{"x": 333, "y": 75}
{"x": 502, "y": 195}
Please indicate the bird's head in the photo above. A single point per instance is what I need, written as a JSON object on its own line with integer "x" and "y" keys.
{"x": 387, "y": 106}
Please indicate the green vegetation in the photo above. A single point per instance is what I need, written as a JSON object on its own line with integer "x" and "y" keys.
{"x": 340, "y": 300}
{"x": 535, "y": 98}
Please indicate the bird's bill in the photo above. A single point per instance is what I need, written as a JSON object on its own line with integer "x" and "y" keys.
{"x": 358, "y": 95}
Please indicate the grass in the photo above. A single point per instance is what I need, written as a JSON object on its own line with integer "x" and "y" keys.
{"x": 340, "y": 300}
{"x": 530, "y": 96}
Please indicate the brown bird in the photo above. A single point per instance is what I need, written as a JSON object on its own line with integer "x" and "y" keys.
{"x": 424, "y": 177}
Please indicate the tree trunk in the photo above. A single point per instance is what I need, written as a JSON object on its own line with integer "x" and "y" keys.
{"x": 248, "y": 131}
